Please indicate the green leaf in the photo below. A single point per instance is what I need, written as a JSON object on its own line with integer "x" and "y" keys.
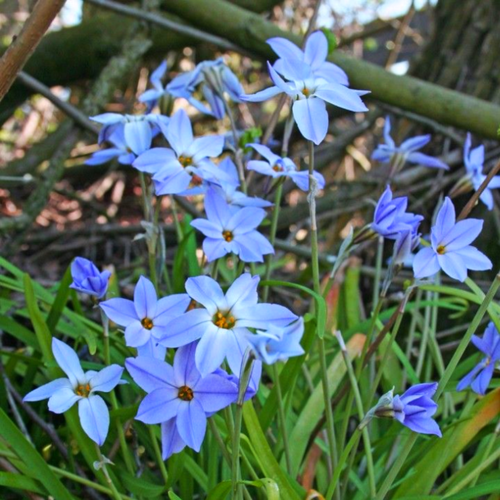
{"x": 173, "y": 496}
{"x": 60, "y": 301}
{"x": 331, "y": 38}
{"x": 139, "y": 486}
{"x": 288, "y": 487}
{"x": 222, "y": 490}
{"x": 25, "y": 451}
{"x": 20, "y": 482}
{"x": 477, "y": 491}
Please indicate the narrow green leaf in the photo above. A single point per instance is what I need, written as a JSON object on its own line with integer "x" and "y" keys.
{"x": 20, "y": 482}
{"x": 139, "y": 486}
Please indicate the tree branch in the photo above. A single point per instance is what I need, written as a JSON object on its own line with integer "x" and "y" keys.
{"x": 24, "y": 45}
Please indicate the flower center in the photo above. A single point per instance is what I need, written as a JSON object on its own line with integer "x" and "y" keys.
{"x": 306, "y": 91}
{"x": 147, "y": 323}
{"x": 83, "y": 390}
{"x": 185, "y": 393}
{"x": 223, "y": 320}
{"x": 192, "y": 305}
{"x": 185, "y": 161}
{"x": 441, "y": 249}
{"x": 227, "y": 235}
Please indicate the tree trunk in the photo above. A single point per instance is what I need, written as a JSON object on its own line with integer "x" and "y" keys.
{"x": 464, "y": 49}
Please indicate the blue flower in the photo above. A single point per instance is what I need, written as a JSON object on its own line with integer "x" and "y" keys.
{"x": 80, "y": 387}
{"x": 406, "y": 241}
{"x": 314, "y": 55}
{"x": 138, "y": 130}
{"x": 228, "y": 188}
{"x": 450, "y": 248}
{"x": 480, "y": 376}
{"x": 278, "y": 344}
{"x": 152, "y": 96}
{"x": 215, "y": 80}
{"x": 179, "y": 397}
{"x": 275, "y": 166}
{"x": 406, "y": 152}
{"x": 88, "y": 279}
{"x": 253, "y": 383}
{"x": 187, "y": 164}
{"x": 224, "y": 320}
{"x": 474, "y": 160}
{"x": 232, "y": 230}
{"x": 309, "y": 94}
{"x": 146, "y": 318}
{"x": 120, "y": 150}
{"x": 415, "y": 408}
{"x": 390, "y": 217}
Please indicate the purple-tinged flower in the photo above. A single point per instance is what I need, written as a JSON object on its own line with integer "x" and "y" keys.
{"x": 309, "y": 95}
{"x": 179, "y": 397}
{"x": 390, "y": 217}
{"x": 406, "y": 152}
{"x": 152, "y": 96}
{"x": 138, "y": 130}
{"x": 223, "y": 322}
{"x": 232, "y": 231}
{"x": 275, "y": 166}
{"x": 451, "y": 248}
{"x": 187, "y": 164}
{"x": 215, "y": 80}
{"x": 88, "y": 279}
{"x": 80, "y": 387}
{"x": 406, "y": 241}
{"x": 314, "y": 55}
{"x": 474, "y": 161}
{"x": 120, "y": 150}
{"x": 253, "y": 383}
{"x": 480, "y": 376}
{"x": 414, "y": 409}
{"x": 146, "y": 318}
{"x": 278, "y": 344}
{"x": 228, "y": 189}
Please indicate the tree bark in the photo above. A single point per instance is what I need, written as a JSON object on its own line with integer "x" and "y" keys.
{"x": 464, "y": 48}
{"x": 26, "y": 42}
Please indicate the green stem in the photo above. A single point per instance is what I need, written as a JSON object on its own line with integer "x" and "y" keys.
{"x": 361, "y": 414}
{"x": 115, "y": 493}
{"x": 378, "y": 271}
{"x": 282, "y": 418}
{"x": 236, "y": 489}
{"x": 157, "y": 452}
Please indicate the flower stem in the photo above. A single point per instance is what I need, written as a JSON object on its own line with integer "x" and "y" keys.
{"x": 282, "y": 418}
{"x": 361, "y": 414}
{"x": 330, "y": 427}
{"x": 157, "y": 452}
{"x": 236, "y": 490}
{"x": 112, "y": 487}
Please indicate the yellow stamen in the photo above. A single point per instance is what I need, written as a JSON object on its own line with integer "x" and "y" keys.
{"x": 192, "y": 305}
{"x": 185, "y": 161}
{"x": 278, "y": 168}
{"x": 83, "y": 390}
{"x": 306, "y": 91}
{"x": 185, "y": 393}
{"x": 441, "y": 249}
{"x": 223, "y": 321}
{"x": 227, "y": 235}
{"x": 147, "y": 323}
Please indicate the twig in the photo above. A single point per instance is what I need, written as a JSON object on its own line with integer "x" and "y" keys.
{"x": 24, "y": 45}
{"x": 163, "y": 22}
{"x": 76, "y": 115}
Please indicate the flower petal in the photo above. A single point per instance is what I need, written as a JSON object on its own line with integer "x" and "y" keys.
{"x": 159, "y": 405}
{"x": 285, "y": 48}
{"x": 207, "y": 292}
{"x": 179, "y": 132}
{"x": 211, "y": 350}
{"x": 187, "y": 328}
{"x": 445, "y": 220}
{"x": 63, "y": 400}
{"x": 185, "y": 371}
{"x": 341, "y": 96}
{"x": 425, "y": 263}
{"x": 107, "y": 379}
{"x": 94, "y": 417}
{"x": 414, "y": 143}
{"x": 171, "y": 441}
{"x": 453, "y": 265}
{"x": 474, "y": 259}
{"x": 138, "y": 136}
{"x": 426, "y": 160}
{"x": 120, "y": 311}
{"x": 192, "y": 424}
{"x": 482, "y": 381}
{"x": 260, "y": 315}
{"x": 150, "y": 373}
{"x": 68, "y": 360}
{"x": 316, "y": 49}
{"x": 47, "y": 390}
{"x": 215, "y": 392}
{"x": 312, "y": 118}
{"x": 462, "y": 234}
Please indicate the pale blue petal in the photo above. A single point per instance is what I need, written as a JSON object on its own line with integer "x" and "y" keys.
{"x": 285, "y": 48}
{"x": 94, "y": 417}
{"x": 425, "y": 263}
{"x": 159, "y": 405}
{"x": 426, "y": 160}
{"x": 211, "y": 350}
{"x": 187, "y": 328}
{"x": 150, "y": 373}
{"x": 192, "y": 424}
{"x": 341, "y": 96}
{"x": 145, "y": 299}
{"x": 120, "y": 311}
{"x": 415, "y": 143}
{"x": 209, "y": 146}
{"x": 245, "y": 220}
{"x": 453, "y": 265}
{"x": 265, "y": 152}
{"x": 243, "y": 291}
{"x": 152, "y": 349}
{"x": 107, "y": 379}
{"x": 312, "y": 118}
{"x": 462, "y": 234}
{"x": 171, "y": 441}
{"x": 474, "y": 259}
{"x": 216, "y": 248}
{"x": 316, "y": 49}
{"x": 262, "y": 95}
{"x": 68, "y": 360}
{"x": 171, "y": 307}
{"x": 482, "y": 381}
{"x": 63, "y": 400}
{"x": 185, "y": 371}
{"x": 156, "y": 159}
{"x": 217, "y": 209}
{"x": 138, "y": 136}
{"x": 136, "y": 335}
{"x": 445, "y": 219}
{"x": 47, "y": 390}
{"x": 261, "y": 315}
{"x": 179, "y": 132}
{"x": 215, "y": 392}
{"x": 207, "y": 292}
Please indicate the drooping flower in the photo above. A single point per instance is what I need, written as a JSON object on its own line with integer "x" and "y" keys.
{"x": 187, "y": 164}
{"x": 314, "y": 55}
{"x": 480, "y": 376}
{"x": 138, "y": 130}
{"x": 215, "y": 80}
{"x": 278, "y": 344}
{"x": 275, "y": 166}
{"x": 223, "y": 322}
{"x": 232, "y": 231}
{"x": 80, "y": 387}
{"x": 309, "y": 95}
{"x": 407, "y": 151}
{"x": 390, "y": 217}
{"x": 414, "y": 409}
{"x": 88, "y": 279}
{"x": 406, "y": 242}
{"x": 120, "y": 150}
{"x": 152, "y": 96}
{"x": 146, "y": 318}
{"x": 474, "y": 162}
{"x": 451, "y": 248}
{"x": 179, "y": 397}
{"x": 229, "y": 189}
